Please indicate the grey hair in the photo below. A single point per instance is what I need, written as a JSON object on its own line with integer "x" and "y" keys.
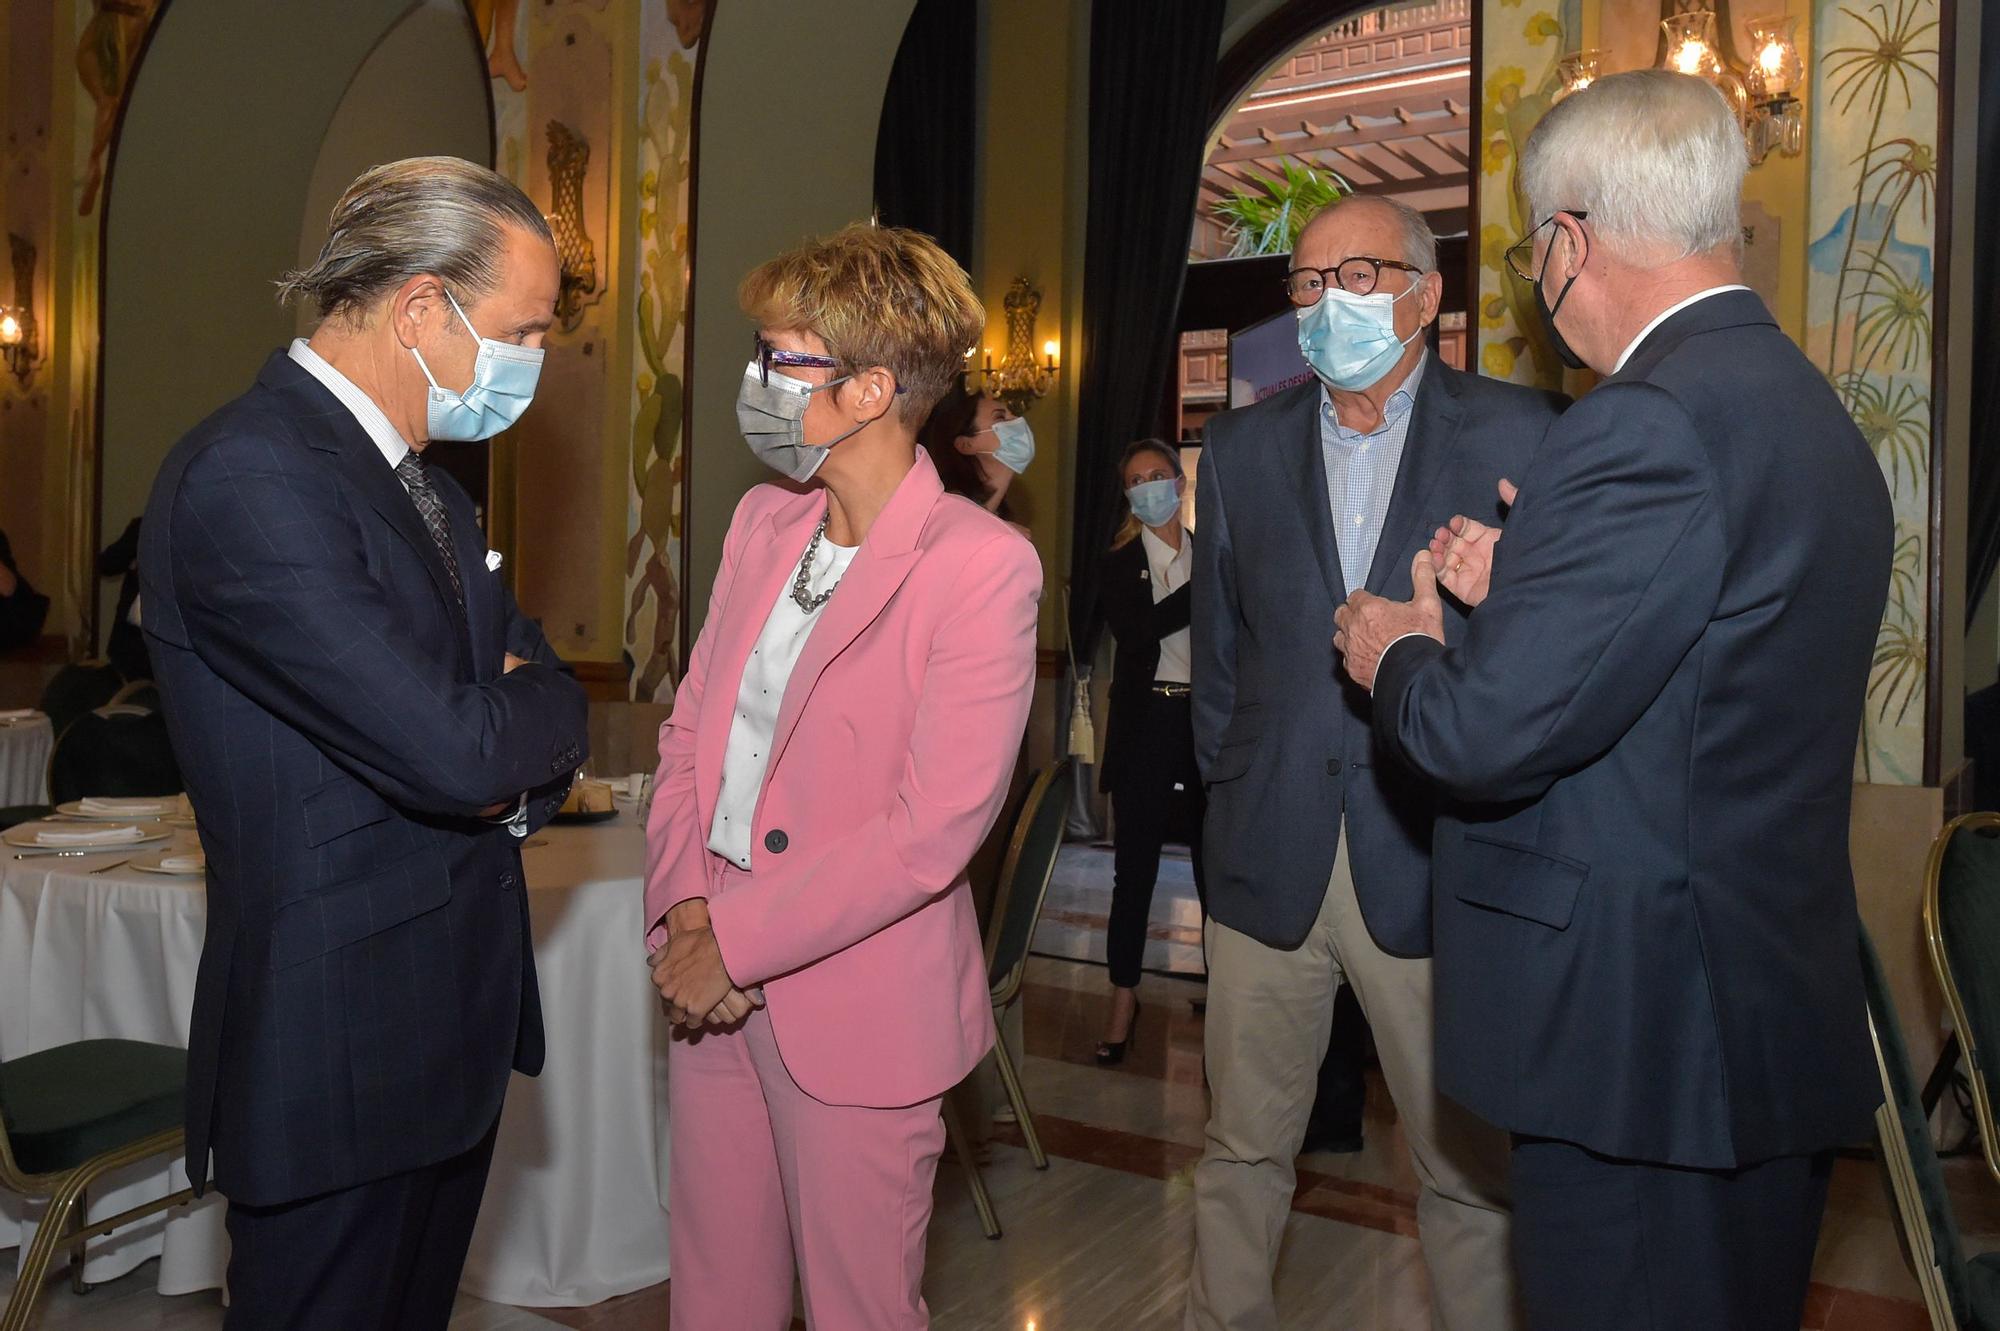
{"x": 1420, "y": 245}
{"x": 424, "y": 215}
{"x": 1656, "y": 158}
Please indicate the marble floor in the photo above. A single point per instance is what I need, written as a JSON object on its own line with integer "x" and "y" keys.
{"x": 1100, "y": 1241}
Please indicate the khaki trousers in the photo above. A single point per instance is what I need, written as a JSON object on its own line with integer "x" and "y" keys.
{"x": 1269, "y": 1014}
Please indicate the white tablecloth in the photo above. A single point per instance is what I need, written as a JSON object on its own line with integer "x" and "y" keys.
{"x": 24, "y": 761}
{"x": 575, "y": 1209}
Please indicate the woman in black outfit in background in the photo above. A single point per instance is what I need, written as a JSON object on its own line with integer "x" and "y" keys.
{"x": 1149, "y": 768}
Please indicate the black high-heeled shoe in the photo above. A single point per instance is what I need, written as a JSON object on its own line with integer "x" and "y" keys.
{"x": 1110, "y": 1053}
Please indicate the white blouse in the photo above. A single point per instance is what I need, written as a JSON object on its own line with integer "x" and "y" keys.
{"x": 765, "y": 675}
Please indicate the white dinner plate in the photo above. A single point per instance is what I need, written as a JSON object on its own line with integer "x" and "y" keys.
{"x": 167, "y": 806}
{"x": 150, "y": 863}
{"x": 23, "y": 837}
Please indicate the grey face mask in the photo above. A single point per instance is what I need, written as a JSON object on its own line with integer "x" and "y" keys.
{"x": 773, "y": 420}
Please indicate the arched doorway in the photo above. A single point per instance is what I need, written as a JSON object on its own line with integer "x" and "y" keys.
{"x": 1373, "y": 99}
{"x": 244, "y": 122}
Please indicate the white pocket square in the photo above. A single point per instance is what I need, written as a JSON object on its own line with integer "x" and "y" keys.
{"x": 492, "y": 561}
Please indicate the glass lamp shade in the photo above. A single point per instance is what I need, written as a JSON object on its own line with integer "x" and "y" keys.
{"x": 1578, "y": 70}
{"x": 1775, "y": 70}
{"x": 1691, "y": 45}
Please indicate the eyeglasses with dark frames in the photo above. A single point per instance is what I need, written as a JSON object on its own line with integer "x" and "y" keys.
{"x": 1520, "y": 255}
{"x": 767, "y": 355}
{"x": 1356, "y": 275}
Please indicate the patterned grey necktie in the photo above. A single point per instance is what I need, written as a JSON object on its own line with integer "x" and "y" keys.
{"x": 410, "y": 471}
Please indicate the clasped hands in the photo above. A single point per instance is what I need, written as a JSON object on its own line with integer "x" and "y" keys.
{"x": 690, "y": 976}
{"x": 1459, "y": 560}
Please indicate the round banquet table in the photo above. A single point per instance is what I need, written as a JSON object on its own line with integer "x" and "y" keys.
{"x": 575, "y": 1210}
{"x": 24, "y": 760}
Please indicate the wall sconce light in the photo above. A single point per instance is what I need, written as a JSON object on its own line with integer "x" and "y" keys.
{"x": 1764, "y": 94}
{"x": 1020, "y": 379}
{"x": 1777, "y": 115}
{"x": 1578, "y": 70}
{"x": 569, "y": 159}
{"x": 20, "y": 340}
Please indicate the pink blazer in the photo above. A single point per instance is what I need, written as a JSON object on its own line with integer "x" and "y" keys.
{"x": 895, "y": 741}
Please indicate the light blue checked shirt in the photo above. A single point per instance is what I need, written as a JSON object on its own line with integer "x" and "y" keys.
{"x": 1361, "y": 474}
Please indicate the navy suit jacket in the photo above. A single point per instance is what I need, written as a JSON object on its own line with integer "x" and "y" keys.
{"x": 366, "y": 981}
{"x": 1645, "y": 918}
{"x": 1281, "y": 734}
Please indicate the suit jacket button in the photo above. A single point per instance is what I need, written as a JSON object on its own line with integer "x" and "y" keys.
{"x": 776, "y": 841}
{"x": 1333, "y": 767}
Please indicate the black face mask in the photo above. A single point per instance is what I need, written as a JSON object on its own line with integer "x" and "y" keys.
{"x": 1548, "y": 312}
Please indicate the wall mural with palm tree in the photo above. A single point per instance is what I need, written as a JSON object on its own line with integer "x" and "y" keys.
{"x": 1874, "y": 125}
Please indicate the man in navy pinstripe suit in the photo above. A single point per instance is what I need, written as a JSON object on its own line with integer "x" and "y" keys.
{"x": 368, "y": 726}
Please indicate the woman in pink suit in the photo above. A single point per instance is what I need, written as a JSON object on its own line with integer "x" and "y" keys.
{"x": 839, "y": 747}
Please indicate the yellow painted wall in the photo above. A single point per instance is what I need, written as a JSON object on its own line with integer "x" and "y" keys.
{"x": 1034, "y": 76}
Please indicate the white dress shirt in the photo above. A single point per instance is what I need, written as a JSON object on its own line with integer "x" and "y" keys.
{"x": 1667, "y": 314}
{"x": 748, "y": 752}
{"x": 394, "y": 449}
{"x": 1170, "y": 569}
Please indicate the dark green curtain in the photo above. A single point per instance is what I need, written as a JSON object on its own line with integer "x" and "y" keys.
{"x": 924, "y": 149}
{"x": 1152, "y": 77}
{"x": 1983, "y": 528}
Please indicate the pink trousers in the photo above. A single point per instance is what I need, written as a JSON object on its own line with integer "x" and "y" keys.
{"x": 764, "y": 1178}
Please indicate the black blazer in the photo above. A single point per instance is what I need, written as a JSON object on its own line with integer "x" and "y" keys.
{"x": 1281, "y": 733}
{"x": 367, "y": 980}
{"x": 1647, "y": 938}
{"x": 1137, "y": 624}
{"x": 22, "y": 614}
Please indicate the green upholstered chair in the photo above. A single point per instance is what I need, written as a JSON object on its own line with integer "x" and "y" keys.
{"x": 1017, "y": 909}
{"x": 70, "y": 1115}
{"x": 76, "y": 689}
{"x": 118, "y": 750}
{"x": 1960, "y": 1294}
{"x": 1962, "y": 926}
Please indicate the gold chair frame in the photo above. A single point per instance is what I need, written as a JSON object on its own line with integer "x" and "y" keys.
{"x": 1913, "y": 1222}
{"x": 1004, "y": 991}
{"x": 64, "y": 1224}
{"x": 1982, "y": 1103}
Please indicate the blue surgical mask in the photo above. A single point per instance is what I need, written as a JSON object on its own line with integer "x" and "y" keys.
{"x": 1155, "y": 503}
{"x": 1016, "y": 445}
{"x": 1350, "y": 341}
{"x": 503, "y": 384}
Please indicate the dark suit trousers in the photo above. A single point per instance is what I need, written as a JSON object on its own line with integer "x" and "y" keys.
{"x": 1158, "y": 792}
{"x": 1617, "y": 1245}
{"x": 382, "y": 1256}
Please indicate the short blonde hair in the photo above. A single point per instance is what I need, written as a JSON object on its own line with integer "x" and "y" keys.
{"x": 876, "y": 295}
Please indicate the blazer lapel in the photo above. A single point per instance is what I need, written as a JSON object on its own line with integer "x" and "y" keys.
{"x": 1308, "y": 464}
{"x": 331, "y": 428}
{"x": 482, "y": 612}
{"x": 1427, "y": 447}
{"x": 770, "y": 557}
{"x": 879, "y": 569}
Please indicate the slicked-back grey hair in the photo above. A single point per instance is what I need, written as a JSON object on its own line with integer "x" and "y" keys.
{"x": 438, "y": 215}
{"x": 1420, "y": 245}
{"x": 1656, "y": 159}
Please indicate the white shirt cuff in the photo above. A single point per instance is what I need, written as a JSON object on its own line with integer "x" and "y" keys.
{"x": 517, "y": 822}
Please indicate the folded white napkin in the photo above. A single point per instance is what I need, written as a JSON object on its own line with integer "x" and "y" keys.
{"x": 127, "y": 808}
{"x": 18, "y": 714}
{"x": 88, "y": 836}
{"x": 191, "y": 862}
